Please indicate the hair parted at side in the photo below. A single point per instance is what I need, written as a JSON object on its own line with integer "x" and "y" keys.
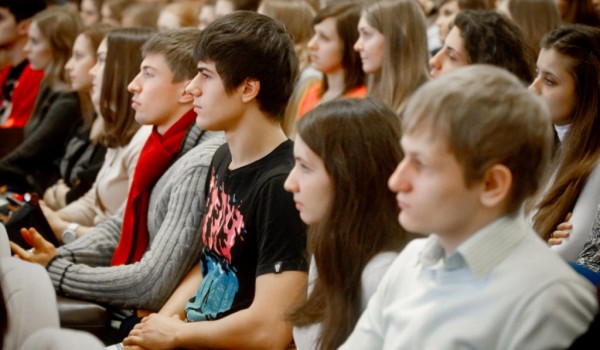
{"x": 123, "y": 59}
{"x": 492, "y": 38}
{"x": 177, "y": 47}
{"x": 247, "y": 45}
{"x": 580, "y": 150}
{"x": 358, "y": 142}
{"x": 487, "y": 117}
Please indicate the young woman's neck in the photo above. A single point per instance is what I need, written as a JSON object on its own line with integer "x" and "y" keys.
{"x": 336, "y": 85}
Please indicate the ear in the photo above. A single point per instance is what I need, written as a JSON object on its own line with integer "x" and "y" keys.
{"x": 249, "y": 89}
{"x": 497, "y": 183}
{"x": 184, "y": 96}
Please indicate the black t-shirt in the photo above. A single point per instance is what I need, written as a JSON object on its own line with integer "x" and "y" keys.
{"x": 250, "y": 228}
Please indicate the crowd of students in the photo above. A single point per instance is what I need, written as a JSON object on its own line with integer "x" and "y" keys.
{"x": 380, "y": 174}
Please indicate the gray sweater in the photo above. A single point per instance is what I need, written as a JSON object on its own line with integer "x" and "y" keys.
{"x": 82, "y": 270}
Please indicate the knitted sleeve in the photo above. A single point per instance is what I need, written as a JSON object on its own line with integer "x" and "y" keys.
{"x": 173, "y": 250}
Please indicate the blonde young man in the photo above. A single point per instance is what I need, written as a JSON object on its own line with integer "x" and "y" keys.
{"x": 475, "y": 143}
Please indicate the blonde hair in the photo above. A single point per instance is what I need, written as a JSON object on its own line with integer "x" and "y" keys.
{"x": 405, "y": 63}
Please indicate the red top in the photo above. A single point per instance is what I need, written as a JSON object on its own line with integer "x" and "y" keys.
{"x": 23, "y": 96}
{"x": 311, "y": 97}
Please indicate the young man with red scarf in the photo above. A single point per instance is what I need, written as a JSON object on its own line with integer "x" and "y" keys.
{"x": 135, "y": 259}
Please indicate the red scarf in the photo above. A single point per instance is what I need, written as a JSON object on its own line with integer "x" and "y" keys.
{"x": 155, "y": 158}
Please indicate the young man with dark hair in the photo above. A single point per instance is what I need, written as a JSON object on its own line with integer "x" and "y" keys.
{"x": 252, "y": 269}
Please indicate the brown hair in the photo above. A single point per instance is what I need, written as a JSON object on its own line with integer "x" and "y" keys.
{"x": 346, "y": 15}
{"x": 357, "y": 139}
{"x": 491, "y": 38}
{"x": 297, "y": 16}
{"x": 580, "y": 149}
{"x": 242, "y": 34}
{"x": 405, "y": 62}
{"x": 123, "y": 59}
{"x": 60, "y": 26}
{"x": 534, "y": 27}
{"x": 488, "y": 117}
{"x": 94, "y": 33}
{"x": 177, "y": 47}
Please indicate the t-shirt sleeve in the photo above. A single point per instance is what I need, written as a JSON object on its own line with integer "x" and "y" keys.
{"x": 281, "y": 237}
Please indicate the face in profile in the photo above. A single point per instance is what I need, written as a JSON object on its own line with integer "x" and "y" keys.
{"x": 555, "y": 84}
{"x": 452, "y": 55}
{"x": 38, "y": 50}
{"x": 310, "y": 184}
{"x": 81, "y": 62}
{"x": 215, "y": 108}
{"x": 325, "y": 47}
{"x": 8, "y": 28}
{"x": 371, "y": 46}
{"x": 430, "y": 180}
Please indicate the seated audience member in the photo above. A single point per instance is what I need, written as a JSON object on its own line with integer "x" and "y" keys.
{"x": 476, "y": 143}
{"x": 252, "y": 268}
{"x": 119, "y": 62}
{"x": 332, "y": 53}
{"x": 533, "y": 27}
{"x": 448, "y": 9}
{"x": 485, "y": 37}
{"x": 392, "y": 43}
{"x": 19, "y": 82}
{"x": 178, "y": 15}
{"x": 568, "y": 74}
{"x": 32, "y": 166}
{"x": 84, "y": 155}
{"x": 338, "y": 145}
{"x": 136, "y": 258}
{"x": 90, "y": 11}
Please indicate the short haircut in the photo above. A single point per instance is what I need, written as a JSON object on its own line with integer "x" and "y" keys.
{"x": 177, "y": 47}
{"x": 23, "y": 9}
{"x": 487, "y": 117}
{"x": 492, "y": 38}
{"x": 247, "y": 45}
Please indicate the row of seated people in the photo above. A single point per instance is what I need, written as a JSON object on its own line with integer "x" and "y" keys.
{"x": 140, "y": 202}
